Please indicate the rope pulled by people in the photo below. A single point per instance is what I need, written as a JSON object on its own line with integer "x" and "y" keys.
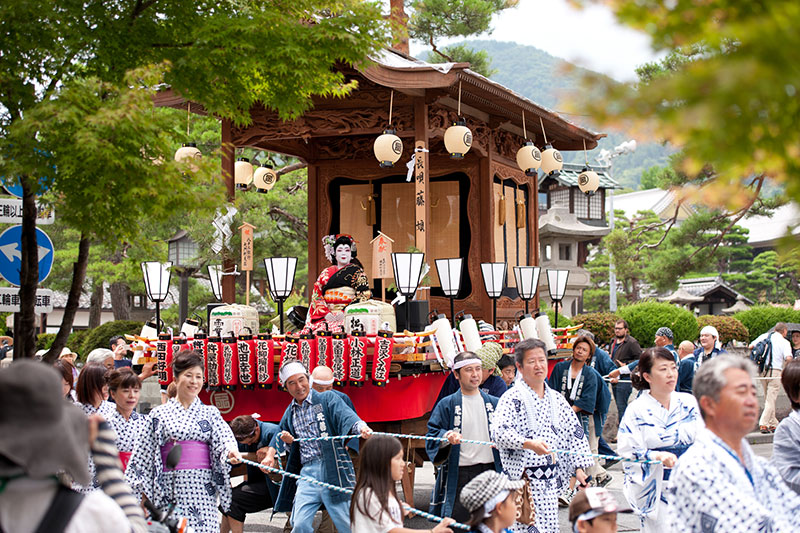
{"x": 431, "y": 517}
{"x": 480, "y": 442}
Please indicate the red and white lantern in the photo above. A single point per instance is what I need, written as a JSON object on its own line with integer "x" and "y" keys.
{"x": 246, "y": 349}
{"x": 229, "y": 363}
{"x": 164, "y": 358}
{"x": 340, "y": 355}
{"x": 264, "y": 361}
{"x": 358, "y": 358}
{"x": 213, "y": 357}
{"x": 382, "y": 357}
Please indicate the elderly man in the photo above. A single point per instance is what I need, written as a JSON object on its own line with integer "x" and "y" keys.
{"x": 720, "y": 485}
{"x": 465, "y": 414}
{"x": 102, "y": 356}
{"x": 709, "y": 345}
{"x": 686, "y": 367}
{"x": 530, "y": 420}
{"x": 314, "y": 414}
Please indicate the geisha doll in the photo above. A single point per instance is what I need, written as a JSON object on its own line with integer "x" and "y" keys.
{"x": 337, "y": 286}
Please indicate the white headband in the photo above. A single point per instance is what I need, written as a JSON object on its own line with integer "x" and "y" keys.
{"x": 290, "y": 369}
{"x": 468, "y": 361}
{"x": 312, "y": 380}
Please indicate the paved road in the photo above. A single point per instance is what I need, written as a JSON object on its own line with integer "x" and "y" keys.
{"x": 260, "y": 522}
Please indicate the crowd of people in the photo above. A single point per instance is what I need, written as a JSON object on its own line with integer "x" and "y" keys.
{"x": 510, "y": 442}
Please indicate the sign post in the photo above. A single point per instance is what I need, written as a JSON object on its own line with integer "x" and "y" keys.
{"x": 247, "y": 255}
{"x": 382, "y": 260}
{"x": 11, "y": 254}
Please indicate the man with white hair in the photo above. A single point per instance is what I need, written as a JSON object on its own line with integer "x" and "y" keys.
{"x": 709, "y": 345}
{"x": 102, "y": 356}
{"x": 720, "y": 485}
{"x": 314, "y": 414}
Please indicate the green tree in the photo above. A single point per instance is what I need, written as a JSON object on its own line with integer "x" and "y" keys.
{"x": 76, "y": 102}
{"x": 768, "y": 279}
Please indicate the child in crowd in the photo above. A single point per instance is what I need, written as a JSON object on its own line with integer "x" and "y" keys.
{"x": 375, "y": 507}
{"x": 491, "y": 500}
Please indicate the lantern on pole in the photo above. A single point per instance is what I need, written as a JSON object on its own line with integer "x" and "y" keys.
{"x": 458, "y": 137}
{"x": 450, "y": 271}
{"x": 557, "y": 285}
{"x": 588, "y": 180}
{"x": 156, "y": 281}
{"x": 529, "y": 158}
{"x": 264, "y": 178}
{"x": 280, "y": 273}
{"x": 527, "y": 278}
{"x": 388, "y": 147}
{"x": 407, "y": 267}
{"x": 494, "y": 277}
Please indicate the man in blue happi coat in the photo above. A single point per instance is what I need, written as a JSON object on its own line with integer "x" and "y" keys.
{"x": 687, "y": 367}
{"x": 601, "y": 362}
{"x": 310, "y": 415}
{"x": 489, "y": 353}
{"x": 465, "y": 414}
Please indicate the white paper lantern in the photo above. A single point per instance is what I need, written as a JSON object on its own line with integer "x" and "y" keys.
{"x": 551, "y": 160}
{"x": 588, "y": 181}
{"x": 242, "y": 173}
{"x": 388, "y": 148}
{"x": 529, "y": 159}
{"x": 458, "y": 139}
{"x": 187, "y": 153}
{"x": 264, "y": 178}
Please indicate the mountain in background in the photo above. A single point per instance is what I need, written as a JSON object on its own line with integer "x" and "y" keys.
{"x": 547, "y": 80}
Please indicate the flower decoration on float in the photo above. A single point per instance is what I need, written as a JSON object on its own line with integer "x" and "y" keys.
{"x": 458, "y": 137}
{"x": 388, "y": 147}
{"x": 529, "y": 158}
{"x": 588, "y": 180}
{"x": 552, "y": 162}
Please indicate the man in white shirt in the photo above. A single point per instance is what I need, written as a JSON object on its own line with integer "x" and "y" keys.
{"x": 465, "y": 414}
{"x": 781, "y": 352}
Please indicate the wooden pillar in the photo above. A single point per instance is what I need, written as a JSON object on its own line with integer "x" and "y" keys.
{"x": 533, "y": 234}
{"x": 228, "y": 162}
{"x": 421, "y": 178}
{"x": 315, "y": 233}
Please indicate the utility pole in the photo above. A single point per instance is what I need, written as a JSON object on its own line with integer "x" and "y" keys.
{"x": 606, "y": 158}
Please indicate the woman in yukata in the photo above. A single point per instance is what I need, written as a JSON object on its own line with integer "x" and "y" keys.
{"x": 337, "y": 286}
{"x": 124, "y": 386}
{"x": 92, "y": 392}
{"x": 201, "y": 480}
{"x": 659, "y": 425}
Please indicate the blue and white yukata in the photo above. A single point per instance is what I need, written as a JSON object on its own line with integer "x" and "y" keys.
{"x": 106, "y": 410}
{"x": 712, "y": 491}
{"x": 129, "y": 431}
{"x": 786, "y": 450}
{"x": 648, "y": 427}
{"x": 448, "y": 416}
{"x": 197, "y": 489}
{"x": 522, "y": 415}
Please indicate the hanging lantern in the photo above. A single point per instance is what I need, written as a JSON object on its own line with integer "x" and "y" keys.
{"x": 529, "y": 159}
{"x": 551, "y": 161}
{"x": 242, "y": 173}
{"x": 458, "y": 139}
{"x": 588, "y": 181}
{"x": 187, "y": 151}
{"x": 388, "y": 148}
{"x": 264, "y": 178}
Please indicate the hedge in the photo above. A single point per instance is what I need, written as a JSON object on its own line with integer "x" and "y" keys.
{"x": 645, "y": 318}
{"x": 760, "y": 318}
{"x": 729, "y": 328}
{"x": 601, "y": 324}
{"x": 99, "y": 336}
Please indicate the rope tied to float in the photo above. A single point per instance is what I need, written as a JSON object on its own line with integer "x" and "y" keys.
{"x": 431, "y": 517}
{"x": 479, "y": 442}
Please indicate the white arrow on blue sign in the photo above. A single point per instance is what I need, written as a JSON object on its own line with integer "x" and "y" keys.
{"x": 11, "y": 254}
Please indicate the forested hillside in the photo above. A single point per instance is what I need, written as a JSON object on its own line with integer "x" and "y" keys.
{"x": 546, "y": 80}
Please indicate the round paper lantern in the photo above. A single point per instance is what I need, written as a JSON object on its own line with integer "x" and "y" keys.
{"x": 458, "y": 139}
{"x": 388, "y": 148}
{"x": 529, "y": 159}
{"x": 588, "y": 181}
{"x": 187, "y": 153}
{"x": 264, "y": 178}
{"x": 551, "y": 160}
{"x": 242, "y": 173}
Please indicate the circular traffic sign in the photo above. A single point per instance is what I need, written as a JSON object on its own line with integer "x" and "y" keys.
{"x": 11, "y": 254}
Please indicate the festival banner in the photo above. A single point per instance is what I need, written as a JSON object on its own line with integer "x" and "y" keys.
{"x": 382, "y": 357}
{"x": 264, "y": 361}
{"x": 164, "y": 358}
{"x": 307, "y": 349}
{"x": 324, "y": 348}
{"x": 229, "y": 363}
{"x": 213, "y": 355}
{"x": 289, "y": 350}
{"x": 358, "y": 355}
{"x": 199, "y": 345}
{"x": 246, "y": 348}
{"x": 340, "y": 353}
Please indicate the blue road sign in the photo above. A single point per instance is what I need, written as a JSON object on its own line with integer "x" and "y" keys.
{"x": 14, "y": 187}
{"x": 11, "y": 254}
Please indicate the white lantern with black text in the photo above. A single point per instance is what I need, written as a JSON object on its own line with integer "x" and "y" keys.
{"x": 529, "y": 159}
{"x": 187, "y": 153}
{"x": 552, "y": 162}
{"x": 388, "y": 148}
{"x": 264, "y": 178}
{"x": 458, "y": 139}
{"x": 588, "y": 181}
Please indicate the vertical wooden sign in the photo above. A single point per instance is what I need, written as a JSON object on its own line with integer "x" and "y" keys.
{"x": 247, "y": 255}
{"x": 421, "y": 195}
{"x": 382, "y": 259}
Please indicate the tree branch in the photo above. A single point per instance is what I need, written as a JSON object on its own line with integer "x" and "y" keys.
{"x": 299, "y": 226}
{"x": 140, "y": 7}
{"x": 666, "y": 231}
{"x": 434, "y": 49}
{"x": 290, "y": 168}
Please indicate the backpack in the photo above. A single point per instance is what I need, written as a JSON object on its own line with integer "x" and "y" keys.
{"x": 761, "y": 354}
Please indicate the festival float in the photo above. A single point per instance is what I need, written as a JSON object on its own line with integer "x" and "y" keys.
{"x": 428, "y": 159}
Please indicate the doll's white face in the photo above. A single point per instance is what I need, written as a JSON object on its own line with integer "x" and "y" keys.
{"x": 343, "y": 254}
